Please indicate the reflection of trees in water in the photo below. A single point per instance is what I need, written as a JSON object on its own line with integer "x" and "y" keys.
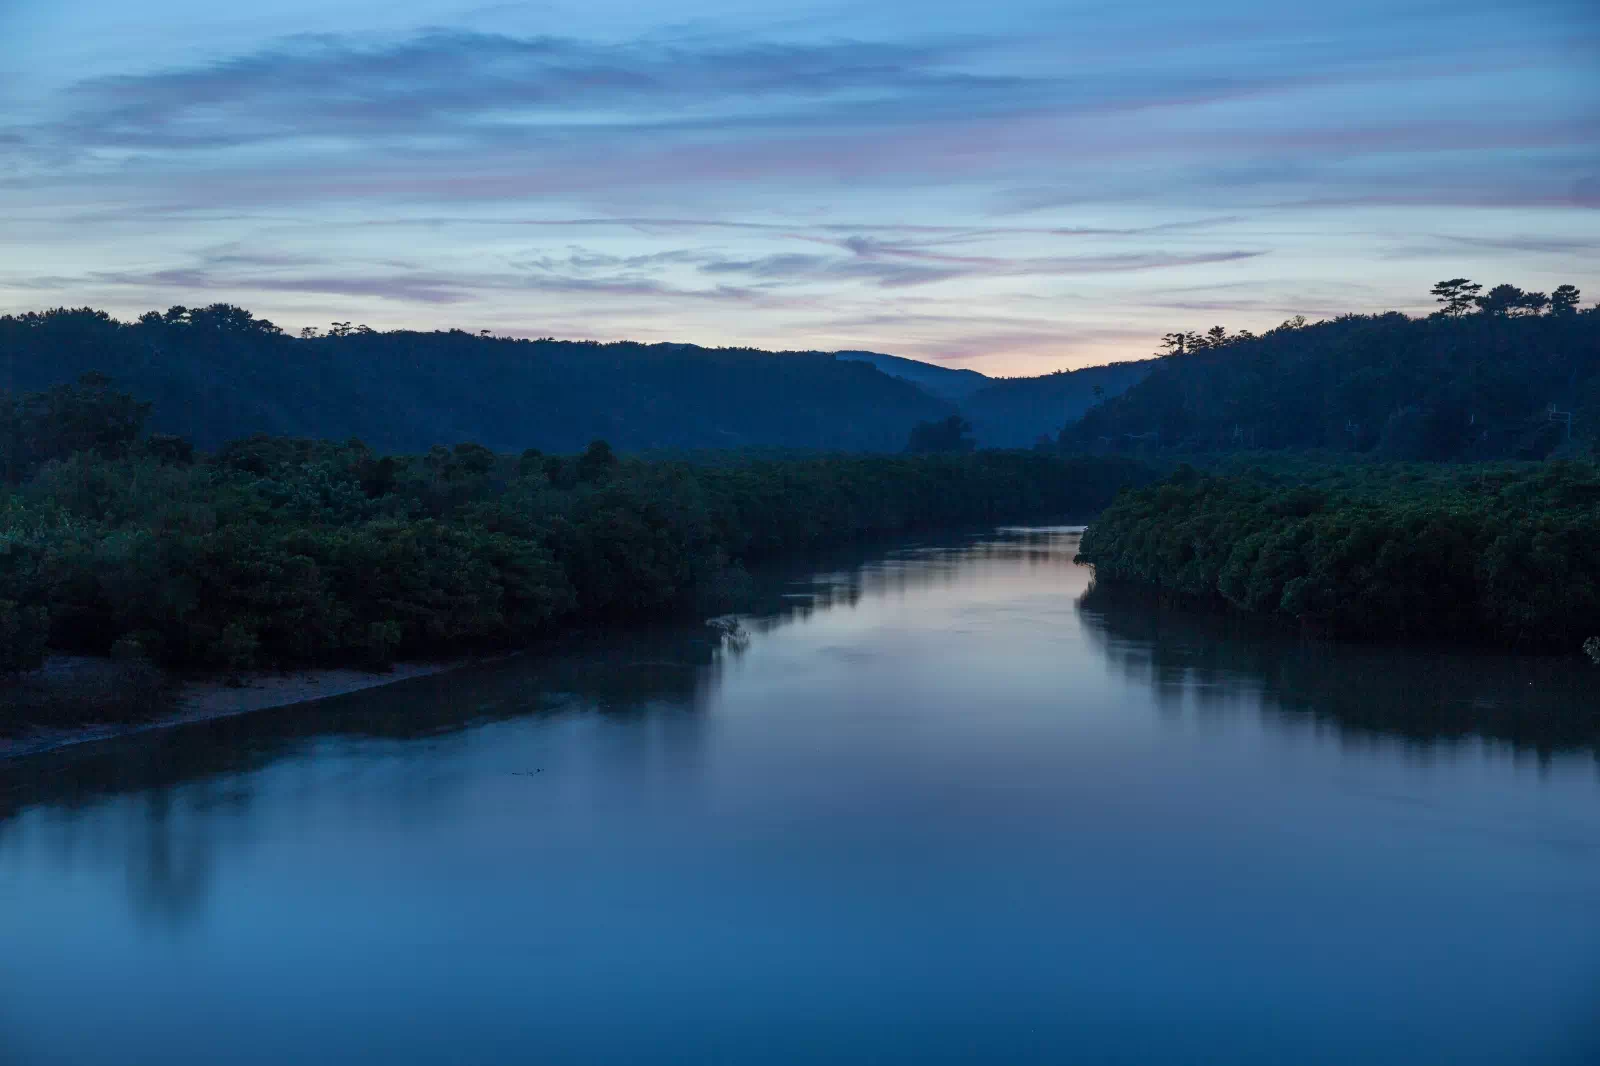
{"x": 1425, "y": 695}
{"x": 165, "y": 806}
{"x": 170, "y": 860}
{"x": 842, "y": 579}
{"x": 620, "y": 672}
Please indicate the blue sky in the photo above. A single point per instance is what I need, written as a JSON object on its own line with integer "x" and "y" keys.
{"x": 1010, "y": 186}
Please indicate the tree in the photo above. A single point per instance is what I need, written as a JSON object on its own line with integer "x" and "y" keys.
{"x": 1501, "y": 300}
{"x": 951, "y": 434}
{"x": 1532, "y": 303}
{"x": 469, "y": 460}
{"x": 23, "y": 632}
{"x": 227, "y": 318}
{"x": 1457, "y": 295}
{"x": 88, "y": 416}
{"x": 1564, "y": 300}
{"x": 596, "y": 462}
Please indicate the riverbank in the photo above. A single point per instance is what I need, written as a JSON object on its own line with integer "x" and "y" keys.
{"x": 194, "y": 698}
{"x": 1503, "y": 556}
{"x": 287, "y": 553}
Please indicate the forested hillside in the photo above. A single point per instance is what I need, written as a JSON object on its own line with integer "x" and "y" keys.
{"x": 1016, "y": 412}
{"x": 1477, "y": 380}
{"x": 217, "y": 373}
{"x": 947, "y": 383}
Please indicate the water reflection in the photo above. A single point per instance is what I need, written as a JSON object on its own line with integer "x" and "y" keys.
{"x": 181, "y": 799}
{"x": 1424, "y": 696}
{"x": 936, "y": 791}
{"x": 189, "y": 792}
{"x": 628, "y": 672}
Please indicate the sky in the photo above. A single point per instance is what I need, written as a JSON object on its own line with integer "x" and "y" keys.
{"x": 1010, "y": 186}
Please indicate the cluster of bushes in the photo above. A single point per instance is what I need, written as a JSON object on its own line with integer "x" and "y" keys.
{"x": 286, "y": 551}
{"x": 1507, "y": 554}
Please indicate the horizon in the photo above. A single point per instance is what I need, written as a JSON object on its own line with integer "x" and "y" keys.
{"x": 967, "y": 196}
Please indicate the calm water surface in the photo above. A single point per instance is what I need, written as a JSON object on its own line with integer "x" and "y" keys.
{"x": 935, "y": 806}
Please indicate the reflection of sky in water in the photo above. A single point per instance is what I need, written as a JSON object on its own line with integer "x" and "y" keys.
{"x": 939, "y": 811}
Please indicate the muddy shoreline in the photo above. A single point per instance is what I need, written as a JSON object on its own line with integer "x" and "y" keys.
{"x": 199, "y": 699}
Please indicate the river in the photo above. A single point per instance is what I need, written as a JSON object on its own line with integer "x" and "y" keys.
{"x": 933, "y": 805}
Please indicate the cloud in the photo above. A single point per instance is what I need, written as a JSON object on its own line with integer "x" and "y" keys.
{"x": 494, "y": 87}
{"x": 1557, "y": 245}
{"x": 897, "y": 266}
{"x": 402, "y": 287}
{"x": 675, "y": 179}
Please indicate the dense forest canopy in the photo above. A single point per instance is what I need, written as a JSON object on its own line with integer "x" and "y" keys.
{"x": 1507, "y": 554}
{"x": 276, "y": 550}
{"x": 215, "y": 373}
{"x": 1491, "y": 375}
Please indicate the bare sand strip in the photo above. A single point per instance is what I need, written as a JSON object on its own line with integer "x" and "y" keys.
{"x": 200, "y": 699}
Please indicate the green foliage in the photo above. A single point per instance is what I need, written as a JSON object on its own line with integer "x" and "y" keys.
{"x": 26, "y": 543}
{"x": 277, "y": 551}
{"x": 1591, "y": 648}
{"x": 24, "y": 632}
{"x": 88, "y": 416}
{"x": 1507, "y": 554}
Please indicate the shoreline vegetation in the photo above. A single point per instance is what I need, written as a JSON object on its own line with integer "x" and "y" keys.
{"x": 287, "y": 554}
{"x": 1372, "y": 477}
{"x": 1502, "y": 555}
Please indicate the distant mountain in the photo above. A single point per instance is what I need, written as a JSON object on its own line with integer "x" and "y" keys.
{"x": 1016, "y": 412}
{"x": 217, "y": 373}
{"x": 1012, "y": 412}
{"x": 942, "y": 381}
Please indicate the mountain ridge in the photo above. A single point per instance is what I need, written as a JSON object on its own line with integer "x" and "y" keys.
{"x": 219, "y": 373}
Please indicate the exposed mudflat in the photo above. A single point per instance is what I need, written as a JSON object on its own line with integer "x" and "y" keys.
{"x": 198, "y": 698}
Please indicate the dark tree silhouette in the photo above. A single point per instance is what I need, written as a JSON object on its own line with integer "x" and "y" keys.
{"x": 952, "y": 434}
{"x": 1564, "y": 300}
{"x": 1501, "y": 300}
{"x": 1457, "y": 295}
